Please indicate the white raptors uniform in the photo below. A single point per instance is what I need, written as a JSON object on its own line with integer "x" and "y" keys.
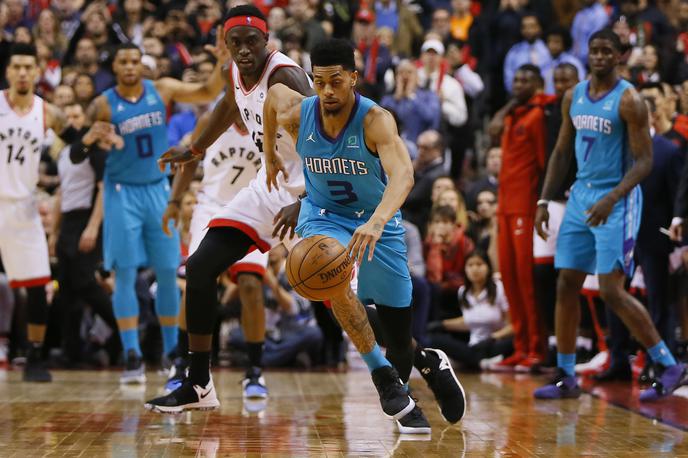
{"x": 254, "y": 208}
{"x": 229, "y": 166}
{"x": 23, "y": 247}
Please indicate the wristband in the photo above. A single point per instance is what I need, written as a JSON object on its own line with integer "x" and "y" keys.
{"x": 544, "y": 202}
{"x": 676, "y": 221}
{"x": 195, "y": 151}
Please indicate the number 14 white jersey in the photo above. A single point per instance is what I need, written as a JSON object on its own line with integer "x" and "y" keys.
{"x": 250, "y": 102}
{"x": 21, "y": 139}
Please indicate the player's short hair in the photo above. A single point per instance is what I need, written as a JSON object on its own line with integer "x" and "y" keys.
{"x": 562, "y": 32}
{"x": 125, "y": 46}
{"x": 245, "y": 10}
{"x": 23, "y": 49}
{"x": 443, "y": 213}
{"x": 566, "y": 66}
{"x": 334, "y": 51}
{"x": 653, "y": 85}
{"x": 534, "y": 69}
{"x": 607, "y": 34}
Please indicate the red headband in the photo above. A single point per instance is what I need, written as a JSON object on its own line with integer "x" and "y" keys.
{"x": 248, "y": 21}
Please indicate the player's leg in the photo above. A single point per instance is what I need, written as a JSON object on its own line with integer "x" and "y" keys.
{"x": 220, "y": 248}
{"x": 575, "y": 255}
{"x": 248, "y": 274}
{"x": 25, "y": 257}
{"x": 123, "y": 252}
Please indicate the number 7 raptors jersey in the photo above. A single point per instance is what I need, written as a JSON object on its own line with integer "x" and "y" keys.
{"x": 250, "y": 102}
{"x": 21, "y": 139}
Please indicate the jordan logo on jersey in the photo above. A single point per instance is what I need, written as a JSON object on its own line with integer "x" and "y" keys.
{"x": 337, "y": 165}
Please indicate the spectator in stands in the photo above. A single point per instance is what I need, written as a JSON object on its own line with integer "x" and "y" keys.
{"x": 446, "y": 247}
{"x": 427, "y": 167}
{"x": 441, "y": 23}
{"x": 86, "y": 61}
{"x": 16, "y": 16}
{"x": 433, "y": 75}
{"x": 452, "y": 198}
{"x": 95, "y": 24}
{"x": 376, "y": 57}
{"x": 532, "y": 50}
{"x": 662, "y": 115}
{"x": 490, "y": 179}
{"x": 404, "y": 25}
{"x": 130, "y": 21}
{"x": 303, "y": 16}
{"x": 589, "y": 20}
{"x": 84, "y": 88}
{"x": 68, "y": 16}
{"x": 418, "y": 108}
{"x": 649, "y": 68}
{"x": 523, "y": 147}
{"x": 63, "y": 96}
{"x": 461, "y": 20}
{"x": 461, "y": 68}
{"x": 485, "y": 316}
{"x": 558, "y": 41}
{"x": 483, "y": 228}
{"x": 47, "y": 29}
{"x": 421, "y": 294}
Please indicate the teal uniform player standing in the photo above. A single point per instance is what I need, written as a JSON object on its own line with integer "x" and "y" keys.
{"x": 603, "y": 159}
{"x": 344, "y": 186}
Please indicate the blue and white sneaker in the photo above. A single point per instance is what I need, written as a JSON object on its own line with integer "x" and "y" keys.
{"x": 178, "y": 371}
{"x": 562, "y": 386}
{"x": 253, "y": 384}
{"x": 134, "y": 370}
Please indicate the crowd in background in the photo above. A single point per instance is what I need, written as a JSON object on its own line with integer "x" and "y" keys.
{"x": 475, "y": 87}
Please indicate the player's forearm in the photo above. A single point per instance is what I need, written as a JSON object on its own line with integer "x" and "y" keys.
{"x": 220, "y": 120}
{"x": 638, "y": 172}
{"x": 455, "y": 324}
{"x": 182, "y": 181}
{"x": 270, "y": 125}
{"x": 57, "y": 214}
{"x": 97, "y": 214}
{"x": 556, "y": 170}
{"x": 398, "y": 188}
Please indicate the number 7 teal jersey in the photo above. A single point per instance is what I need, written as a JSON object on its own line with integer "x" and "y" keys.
{"x": 602, "y": 152}
{"x": 143, "y": 126}
{"x": 342, "y": 175}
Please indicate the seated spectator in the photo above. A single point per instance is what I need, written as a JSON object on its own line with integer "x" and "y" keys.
{"x": 418, "y": 108}
{"x": 446, "y": 247}
{"x": 427, "y": 167}
{"x": 483, "y": 229}
{"x": 441, "y": 184}
{"x": 485, "y": 316}
{"x": 489, "y": 181}
{"x": 452, "y": 198}
{"x": 558, "y": 41}
{"x": 421, "y": 298}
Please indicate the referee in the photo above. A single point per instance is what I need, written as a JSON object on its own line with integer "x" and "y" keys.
{"x": 78, "y": 214}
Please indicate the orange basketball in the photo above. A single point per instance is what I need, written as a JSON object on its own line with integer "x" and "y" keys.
{"x": 319, "y": 268}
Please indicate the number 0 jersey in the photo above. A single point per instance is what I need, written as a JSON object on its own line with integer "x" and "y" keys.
{"x": 342, "y": 174}
{"x": 250, "y": 103}
{"x": 21, "y": 140}
{"x": 143, "y": 126}
{"x": 601, "y": 143}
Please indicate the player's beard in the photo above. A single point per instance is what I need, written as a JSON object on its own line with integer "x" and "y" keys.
{"x": 24, "y": 91}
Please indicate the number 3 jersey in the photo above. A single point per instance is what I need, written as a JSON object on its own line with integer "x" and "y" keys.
{"x": 342, "y": 175}
{"x": 142, "y": 124}
{"x": 21, "y": 140}
{"x": 229, "y": 165}
{"x": 250, "y": 103}
{"x": 602, "y": 153}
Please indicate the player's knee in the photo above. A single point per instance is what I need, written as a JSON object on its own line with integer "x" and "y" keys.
{"x": 249, "y": 284}
{"x": 196, "y": 270}
{"x": 611, "y": 294}
{"x": 567, "y": 284}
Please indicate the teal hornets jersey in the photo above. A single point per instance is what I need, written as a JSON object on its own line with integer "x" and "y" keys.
{"x": 142, "y": 125}
{"x": 342, "y": 175}
{"x": 601, "y": 142}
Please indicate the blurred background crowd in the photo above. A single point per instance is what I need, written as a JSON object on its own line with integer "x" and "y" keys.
{"x": 475, "y": 87}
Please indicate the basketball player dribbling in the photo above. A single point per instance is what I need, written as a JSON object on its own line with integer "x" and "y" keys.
{"x": 358, "y": 173}
{"x": 605, "y": 123}
{"x": 24, "y": 120}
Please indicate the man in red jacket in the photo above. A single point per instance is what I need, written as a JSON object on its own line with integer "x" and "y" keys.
{"x": 523, "y": 159}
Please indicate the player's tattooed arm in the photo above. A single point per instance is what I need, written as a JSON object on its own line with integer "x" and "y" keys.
{"x": 352, "y": 317}
{"x": 559, "y": 163}
{"x": 634, "y": 112}
{"x": 282, "y": 107}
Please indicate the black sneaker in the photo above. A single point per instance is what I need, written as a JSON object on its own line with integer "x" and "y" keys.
{"x": 187, "y": 397}
{"x": 444, "y": 384}
{"x": 134, "y": 369}
{"x": 394, "y": 398}
{"x": 414, "y": 422}
{"x": 36, "y": 369}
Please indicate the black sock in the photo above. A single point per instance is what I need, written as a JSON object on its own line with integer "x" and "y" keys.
{"x": 396, "y": 329}
{"x": 199, "y": 369}
{"x": 182, "y": 343}
{"x": 255, "y": 354}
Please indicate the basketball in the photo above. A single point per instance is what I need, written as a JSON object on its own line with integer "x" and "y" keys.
{"x": 319, "y": 268}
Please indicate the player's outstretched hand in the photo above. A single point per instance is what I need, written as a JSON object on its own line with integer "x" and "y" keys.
{"x": 366, "y": 236}
{"x": 598, "y": 213}
{"x": 286, "y": 219}
{"x": 171, "y": 214}
{"x": 273, "y": 168}
{"x": 176, "y": 156}
{"x": 542, "y": 222}
{"x": 219, "y": 51}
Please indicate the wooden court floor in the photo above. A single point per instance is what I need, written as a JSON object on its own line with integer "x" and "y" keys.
{"x": 333, "y": 414}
